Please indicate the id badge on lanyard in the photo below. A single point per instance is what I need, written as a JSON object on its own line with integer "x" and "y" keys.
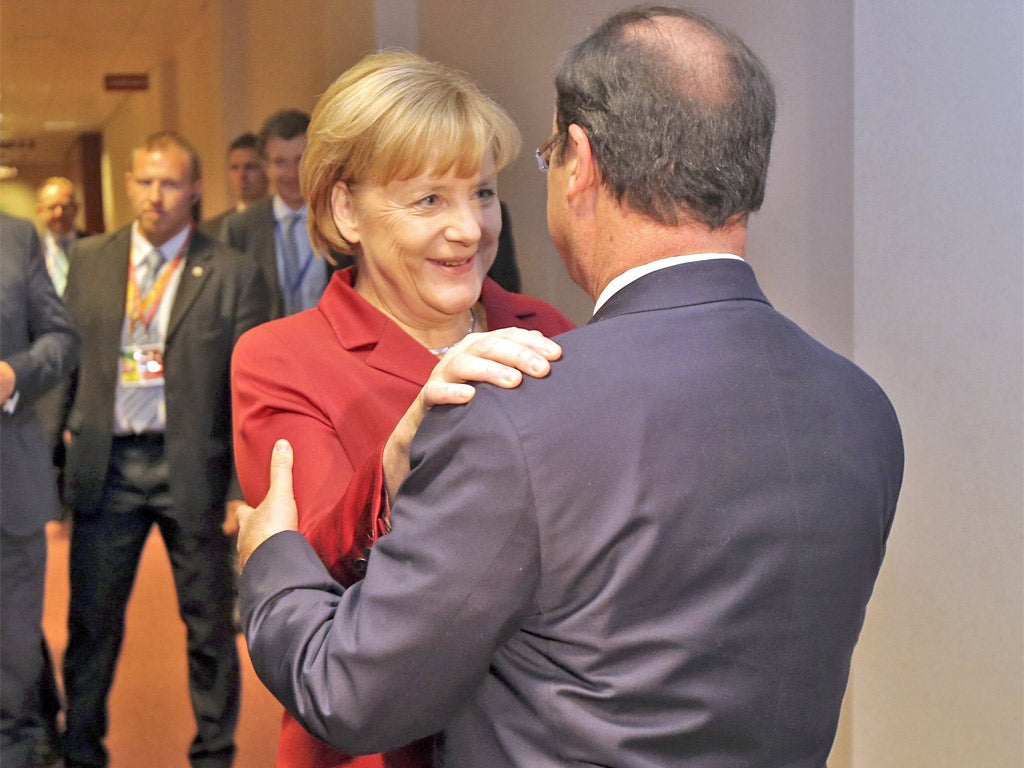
{"x": 142, "y": 362}
{"x": 142, "y": 365}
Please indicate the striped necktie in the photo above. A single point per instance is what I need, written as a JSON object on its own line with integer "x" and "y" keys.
{"x": 290, "y": 261}
{"x": 151, "y": 264}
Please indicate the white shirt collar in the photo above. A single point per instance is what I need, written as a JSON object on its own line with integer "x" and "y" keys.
{"x": 630, "y": 275}
{"x": 282, "y": 209}
{"x": 141, "y": 246}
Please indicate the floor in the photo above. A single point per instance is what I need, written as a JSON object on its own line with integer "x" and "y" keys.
{"x": 151, "y": 721}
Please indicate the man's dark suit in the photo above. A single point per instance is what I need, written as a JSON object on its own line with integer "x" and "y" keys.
{"x": 214, "y": 226}
{"x": 658, "y": 555}
{"x": 505, "y": 270}
{"x": 39, "y": 343}
{"x": 252, "y": 231}
{"x": 50, "y": 406}
{"x": 221, "y": 294}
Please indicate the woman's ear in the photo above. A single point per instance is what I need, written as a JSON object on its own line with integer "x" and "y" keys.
{"x": 343, "y": 210}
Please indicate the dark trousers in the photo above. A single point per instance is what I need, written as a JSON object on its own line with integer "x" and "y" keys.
{"x": 51, "y": 703}
{"x": 22, "y": 581}
{"x": 105, "y": 549}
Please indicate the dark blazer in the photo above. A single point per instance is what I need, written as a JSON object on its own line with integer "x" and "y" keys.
{"x": 221, "y": 295}
{"x": 658, "y": 555}
{"x": 252, "y": 231}
{"x": 50, "y": 406}
{"x": 505, "y": 270}
{"x": 214, "y": 226}
{"x": 37, "y": 340}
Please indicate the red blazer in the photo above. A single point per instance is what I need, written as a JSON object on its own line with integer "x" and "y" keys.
{"x": 334, "y": 381}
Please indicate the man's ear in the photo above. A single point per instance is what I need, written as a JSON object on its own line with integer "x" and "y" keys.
{"x": 584, "y": 175}
{"x": 343, "y": 211}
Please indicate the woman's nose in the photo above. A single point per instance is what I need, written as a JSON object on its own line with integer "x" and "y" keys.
{"x": 465, "y": 224}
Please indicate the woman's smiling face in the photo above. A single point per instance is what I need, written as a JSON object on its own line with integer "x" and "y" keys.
{"x": 423, "y": 245}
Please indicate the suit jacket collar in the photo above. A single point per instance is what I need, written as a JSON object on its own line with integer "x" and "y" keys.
{"x": 197, "y": 268}
{"x": 701, "y": 282}
{"x": 262, "y": 210}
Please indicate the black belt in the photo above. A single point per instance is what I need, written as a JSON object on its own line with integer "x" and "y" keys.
{"x": 143, "y": 438}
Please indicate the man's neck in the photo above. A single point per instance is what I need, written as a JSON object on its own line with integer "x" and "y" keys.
{"x": 629, "y": 240}
{"x": 243, "y": 203}
{"x": 292, "y": 203}
{"x": 147, "y": 239}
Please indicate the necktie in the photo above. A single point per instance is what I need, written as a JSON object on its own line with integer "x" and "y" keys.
{"x": 290, "y": 260}
{"x": 57, "y": 264}
{"x": 139, "y": 406}
{"x": 151, "y": 265}
{"x": 146, "y": 275}
{"x": 290, "y": 248}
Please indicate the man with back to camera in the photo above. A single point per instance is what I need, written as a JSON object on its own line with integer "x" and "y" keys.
{"x": 247, "y": 177}
{"x": 673, "y": 564}
{"x": 159, "y": 306}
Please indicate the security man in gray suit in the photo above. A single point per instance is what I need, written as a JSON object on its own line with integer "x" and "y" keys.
{"x": 273, "y": 231}
{"x": 38, "y": 348}
{"x": 661, "y": 553}
{"x": 159, "y": 306}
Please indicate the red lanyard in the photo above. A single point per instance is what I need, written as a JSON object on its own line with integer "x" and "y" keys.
{"x": 142, "y": 309}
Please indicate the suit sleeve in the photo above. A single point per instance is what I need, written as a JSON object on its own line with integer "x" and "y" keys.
{"x": 394, "y": 657}
{"x": 53, "y": 351}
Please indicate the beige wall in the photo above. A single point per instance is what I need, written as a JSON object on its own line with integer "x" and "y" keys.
{"x": 296, "y": 49}
{"x": 939, "y": 274}
{"x": 138, "y": 116}
{"x": 237, "y": 62}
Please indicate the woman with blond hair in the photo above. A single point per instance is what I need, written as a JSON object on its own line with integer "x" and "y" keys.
{"x": 400, "y": 172}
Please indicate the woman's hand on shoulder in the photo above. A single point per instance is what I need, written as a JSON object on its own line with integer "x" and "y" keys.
{"x": 499, "y": 357}
{"x": 496, "y": 357}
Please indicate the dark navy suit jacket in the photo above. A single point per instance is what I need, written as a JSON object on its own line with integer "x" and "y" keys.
{"x": 39, "y": 343}
{"x": 659, "y": 555}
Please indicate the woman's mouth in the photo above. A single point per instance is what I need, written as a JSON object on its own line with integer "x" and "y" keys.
{"x": 455, "y": 263}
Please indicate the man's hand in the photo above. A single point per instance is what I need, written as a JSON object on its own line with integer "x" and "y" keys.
{"x": 277, "y": 511}
{"x": 7, "y": 381}
{"x": 230, "y": 524}
{"x": 498, "y": 357}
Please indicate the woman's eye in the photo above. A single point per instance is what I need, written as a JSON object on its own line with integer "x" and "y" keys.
{"x": 430, "y": 200}
{"x": 486, "y": 193}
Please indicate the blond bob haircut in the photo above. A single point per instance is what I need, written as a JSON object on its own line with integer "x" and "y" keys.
{"x": 393, "y": 116}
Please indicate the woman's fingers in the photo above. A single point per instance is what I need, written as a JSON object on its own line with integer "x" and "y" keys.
{"x": 499, "y": 357}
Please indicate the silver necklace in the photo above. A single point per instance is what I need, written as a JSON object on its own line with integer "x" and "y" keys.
{"x": 472, "y": 325}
